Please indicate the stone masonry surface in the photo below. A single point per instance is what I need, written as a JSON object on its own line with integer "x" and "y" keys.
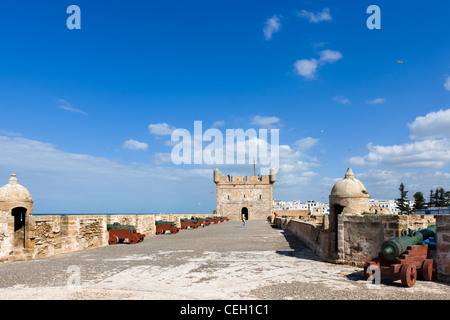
{"x": 223, "y": 261}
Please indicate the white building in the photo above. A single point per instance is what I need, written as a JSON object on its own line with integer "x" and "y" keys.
{"x": 313, "y": 206}
{"x": 288, "y": 205}
{"x": 389, "y": 204}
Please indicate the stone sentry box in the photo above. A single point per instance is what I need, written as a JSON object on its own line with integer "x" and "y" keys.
{"x": 348, "y": 197}
{"x": 16, "y": 208}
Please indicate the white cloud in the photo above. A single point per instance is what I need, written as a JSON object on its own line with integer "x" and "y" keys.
{"x": 319, "y": 44}
{"x": 294, "y": 161}
{"x": 329, "y": 56}
{"x": 419, "y": 154}
{"x": 380, "y": 179}
{"x": 64, "y": 182}
{"x": 218, "y": 123}
{"x": 447, "y": 83}
{"x": 384, "y": 184}
{"x": 324, "y": 15}
{"x": 160, "y": 129}
{"x": 342, "y": 99}
{"x": 432, "y": 150}
{"x": 162, "y": 158}
{"x": 309, "y": 174}
{"x": 306, "y": 143}
{"x": 271, "y": 26}
{"x": 433, "y": 125}
{"x": 264, "y": 121}
{"x": 10, "y": 133}
{"x": 444, "y": 175}
{"x": 294, "y": 165}
{"x": 135, "y": 145}
{"x": 376, "y": 101}
{"x": 308, "y": 67}
{"x": 68, "y": 107}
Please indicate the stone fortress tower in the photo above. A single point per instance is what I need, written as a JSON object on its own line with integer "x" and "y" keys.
{"x": 251, "y": 196}
{"x": 16, "y": 207}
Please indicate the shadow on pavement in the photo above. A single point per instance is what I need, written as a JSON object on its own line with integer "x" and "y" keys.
{"x": 299, "y": 248}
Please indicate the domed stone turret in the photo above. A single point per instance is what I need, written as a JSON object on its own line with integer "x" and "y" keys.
{"x": 349, "y": 186}
{"x": 349, "y": 196}
{"x": 13, "y": 195}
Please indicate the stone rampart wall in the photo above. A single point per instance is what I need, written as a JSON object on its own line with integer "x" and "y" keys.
{"x": 50, "y": 235}
{"x": 443, "y": 247}
{"x": 309, "y": 233}
{"x": 359, "y": 237}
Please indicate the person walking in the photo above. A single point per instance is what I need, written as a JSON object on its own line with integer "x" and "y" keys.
{"x": 243, "y": 220}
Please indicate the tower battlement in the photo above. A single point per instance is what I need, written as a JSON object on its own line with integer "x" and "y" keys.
{"x": 260, "y": 179}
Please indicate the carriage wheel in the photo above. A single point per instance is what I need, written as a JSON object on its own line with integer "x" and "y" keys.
{"x": 427, "y": 269}
{"x": 371, "y": 264}
{"x": 408, "y": 275}
{"x": 113, "y": 240}
{"x": 133, "y": 239}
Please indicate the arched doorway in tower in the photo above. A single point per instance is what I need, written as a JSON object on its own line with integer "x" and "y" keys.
{"x": 19, "y": 215}
{"x": 244, "y": 212}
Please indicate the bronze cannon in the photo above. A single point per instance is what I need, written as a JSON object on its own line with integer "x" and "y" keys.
{"x": 405, "y": 257}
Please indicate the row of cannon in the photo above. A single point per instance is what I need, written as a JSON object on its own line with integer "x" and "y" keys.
{"x": 193, "y": 223}
{"x": 119, "y": 232}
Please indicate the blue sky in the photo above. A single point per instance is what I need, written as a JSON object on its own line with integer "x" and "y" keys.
{"x": 71, "y": 99}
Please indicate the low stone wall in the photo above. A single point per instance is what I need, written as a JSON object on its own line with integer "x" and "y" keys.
{"x": 52, "y": 235}
{"x": 6, "y": 241}
{"x": 359, "y": 237}
{"x": 309, "y": 233}
{"x": 443, "y": 247}
{"x": 291, "y": 212}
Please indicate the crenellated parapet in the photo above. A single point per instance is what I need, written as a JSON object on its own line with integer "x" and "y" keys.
{"x": 260, "y": 179}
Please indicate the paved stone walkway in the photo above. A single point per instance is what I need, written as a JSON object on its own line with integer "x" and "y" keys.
{"x": 223, "y": 261}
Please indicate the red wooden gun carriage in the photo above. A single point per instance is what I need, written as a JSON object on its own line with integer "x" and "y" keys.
{"x": 118, "y": 233}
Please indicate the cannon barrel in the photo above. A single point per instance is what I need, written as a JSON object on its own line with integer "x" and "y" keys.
{"x": 165, "y": 222}
{"x": 117, "y": 225}
{"x": 393, "y": 248}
